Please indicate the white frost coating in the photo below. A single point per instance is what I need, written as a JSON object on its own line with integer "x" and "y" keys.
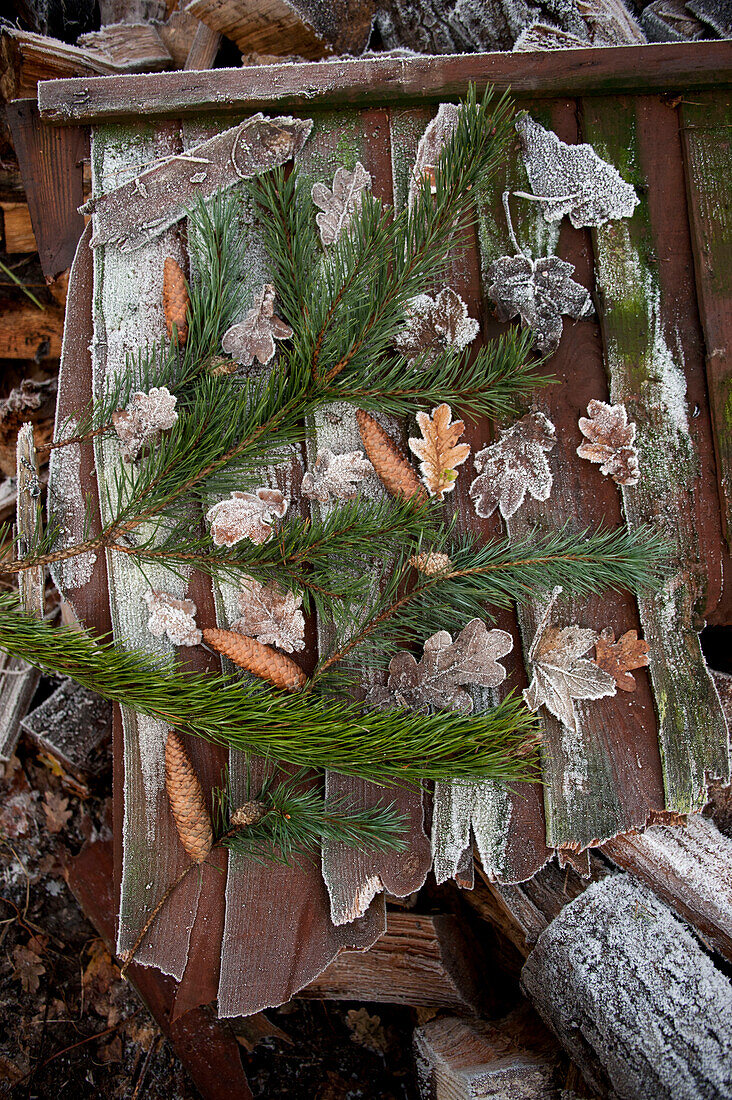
{"x": 173, "y": 617}
{"x": 66, "y": 507}
{"x": 439, "y": 131}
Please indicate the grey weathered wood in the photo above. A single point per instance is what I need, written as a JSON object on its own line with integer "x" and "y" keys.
{"x": 204, "y": 48}
{"x": 31, "y": 582}
{"x": 633, "y": 998}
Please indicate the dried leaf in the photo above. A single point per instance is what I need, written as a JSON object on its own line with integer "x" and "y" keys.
{"x": 187, "y": 800}
{"x": 539, "y": 292}
{"x": 340, "y": 204}
{"x": 56, "y": 810}
{"x": 560, "y": 671}
{"x": 439, "y": 450}
{"x": 100, "y": 974}
{"x": 254, "y": 337}
{"x": 173, "y": 617}
{"x": 610, "y": 442}
{"x": 514, "y": 466}
{"x": 367, "y": 1030}
{"x": 572, "y": 179}
{"x": 434, "y": 324}
{"x": 145, "y": 417}
{"x": 336, "y": 476}
{"x": 246, "y": 516}
{"x": 28, "y": 968}
{"x": 446, "y": 666}
{"x": 270, "y": 615}
{"x": 617, "y": 658}
{"x": 438, "y": 132}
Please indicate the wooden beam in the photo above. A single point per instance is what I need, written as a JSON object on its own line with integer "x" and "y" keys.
{"x": 26, "y": 58}
{"x": 130, "y": 47}
{"x": 204, "y": 48}
{"x": 663, "y": 67}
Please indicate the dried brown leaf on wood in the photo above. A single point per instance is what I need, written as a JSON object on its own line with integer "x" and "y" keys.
{"x": 335, "y": 476}
{"x": 175, "y": 300}
{"x": 514, "y": 466}
{"x": 256, "y": 658}
{"x": 57, "y": 812}
{"x": 187, "y": 800}
{"x": 28, "y": 968}
{"x": 270, "y": 615}
{"x": 560, "y": 671}
{"x": 146, "y": 415}
{"x": 173, "y": 617}
{"x": 539, "y": 292}
{"x": 435, "y": 324}
{"x": 254, "y": 337}
{"x": 618, "y": 658}
{"x": 392, "y": 467}
{"x": 610, "y": 442}
{"x": 439, "y": 452}
{"x": 446, "y": 667}
{"x": 339, "y": 204}
{"x": 246, "y": 516}
{"x": 367, "y": 1030}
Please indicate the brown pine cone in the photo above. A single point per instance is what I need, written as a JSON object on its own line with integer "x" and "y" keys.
{"x": 187, "y": 800}
{"x": 249, "y": 814}
{"x": 256, "y": 658}
{"x": 393, "y": 468}
{"x": 175, "y": 299}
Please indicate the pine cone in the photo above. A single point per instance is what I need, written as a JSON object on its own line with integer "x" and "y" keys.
{"x": 249, "y": 814}
{"x": 395, "y": 471}
{"x": 431, "y": 562}
{"x": 256, "y": 658}
{"x": 175, "y": 299}
{"x": 187, "y": 800}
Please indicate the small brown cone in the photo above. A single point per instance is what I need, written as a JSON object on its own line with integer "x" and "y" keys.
{"x": 175, "y": 299}
{"x": 249, "y": 814}
{"x": 187, "y": 800}
{"x": 256, "y": 658}
{"x": 395, "y": 471}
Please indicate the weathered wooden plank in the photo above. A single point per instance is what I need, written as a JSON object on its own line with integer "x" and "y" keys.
{"x": 26, "y": 58}
{"x": 706, "y": 122}
{"x": 666, "y": 67}
{"x": 31, "y": 583}
{"x": 653, "y": 360}
{"x": 205, "y": 46}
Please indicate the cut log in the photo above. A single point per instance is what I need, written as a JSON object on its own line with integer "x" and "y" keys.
{"x": 130, "y": 47}
{"x": 131, "y": 11}
{"x": 26, "y": 58}
{"x": 632, "y": 997}
{"x": 72, "y": 725}
{"x": 204, "y": 48}
{"x": 429, "y": 961}
{"x": 178, "y": 33}
{"x": 309, "y": 28}
{"x": 29, "y": 333}
{"x": 470, "y": 1059}
{"x": 18, "y": 229}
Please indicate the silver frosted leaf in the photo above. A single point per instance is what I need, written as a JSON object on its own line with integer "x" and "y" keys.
{"x": 336, "y": 476}
{"x": 540, "y": 292}
{"x": 270, "y": 615}
{"x": 339, "y": 204}
{"x": 514, "y": 466}
{"x": 435, "y": 324}
{"x": 610, "y": 442}
{"x": 254, "y": 337}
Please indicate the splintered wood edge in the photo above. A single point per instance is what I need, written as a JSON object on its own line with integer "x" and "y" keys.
{"x": 661, "y": 67}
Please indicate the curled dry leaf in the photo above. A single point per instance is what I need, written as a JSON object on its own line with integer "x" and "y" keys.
{"x": 435, "y": 324}
{"x": 173, "y": 617}
{"x": 439, "y": 679}
{"x": 254, "y": 337}
{"x": 572, "y": 179}
{"x": 187, "y": 800}
{"x": 610, "y": 442}
{"x": 246, "y": 516}
{"x": 539, "y": 292}
{"x": 175, "y": 300}
{"x": 618, "y": 658}
{"x": 256, "y": 658}
{"x": 560, "y": 671}
{"x": 439, "y": 450}
{"x": 145, "y": 417}
{"x": 270, "y": 615}
{"x": 339, "y": 205}
{"x": 336, "y": 476}
{"x": 392, "y": 467}
{"x": 514, "y": 466}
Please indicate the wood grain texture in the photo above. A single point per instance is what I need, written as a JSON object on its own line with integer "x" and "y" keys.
{"x": 18, "y": 230}
{"x": 27, "y": 332}
{"x": 306, "y": 28}
{"x": 654, "y": 363}
{"x": 379, "y": 82}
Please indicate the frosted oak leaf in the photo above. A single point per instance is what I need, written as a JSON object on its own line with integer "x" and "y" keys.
{"x": 514, "y": 466}
{"x": 439, "y": 450}
{"x": 246, "y": 516}
{"x": 336, "y": 476}
{"x": 173, "y": 617}
{"x": 439, "y": 679}
{"x": 609, "y": 441}
{"x": 572, "y": 179}
{"x": 540, "y": 292}
{"x": 254, "y": 337}
{"x": 435, "y": 324}
{"x": 146, "y": 416}
{"x": 561, "y": 673}
{"x": 270, "y": 615}
{"x": 339, "y": 205}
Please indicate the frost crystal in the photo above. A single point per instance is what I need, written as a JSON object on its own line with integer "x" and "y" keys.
{"x": 254, "y": 337}
{"x": 610, "y": 442}
{"x": 539, "y": 292}
{"x": 514, "y": 466}
{"x": 340, "y": 204}
{"x": 434, "y": 324}
{"x": 145, "y": 417}
{"x": 173, "y": 617}
{"x": 246, "y": 516}
{"x": 270, "y": 615}
{"x": 335, "y": 476}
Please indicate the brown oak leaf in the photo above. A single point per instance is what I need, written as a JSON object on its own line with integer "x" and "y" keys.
{"x": 339, "y": 205}
{"x": 435, "y": 324}
{"x": 445, "y": 668}
{"x": 246, "y": 516}
{"x": 145, "y": 417}
{"x": 270, "y": 615}
{"x": 514, "y": 466}
{"x": 336, "y": 476}
{"x": 610, "y": 442}
{"x": 28, "y": 968}
{"x": 173, "y": 617}
{"x": 539, "y": 292}
{"x": 56, "y": 811}
{"x": 617, "y": 658}
{"x": 254, "y": 337}
{"x": 439, "y": 450}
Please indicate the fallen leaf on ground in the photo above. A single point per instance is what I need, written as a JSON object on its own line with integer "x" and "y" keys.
{"x": 28, "y": 968}
{"x": 367, "y": 1030}
{"x": 56, "y": 810}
